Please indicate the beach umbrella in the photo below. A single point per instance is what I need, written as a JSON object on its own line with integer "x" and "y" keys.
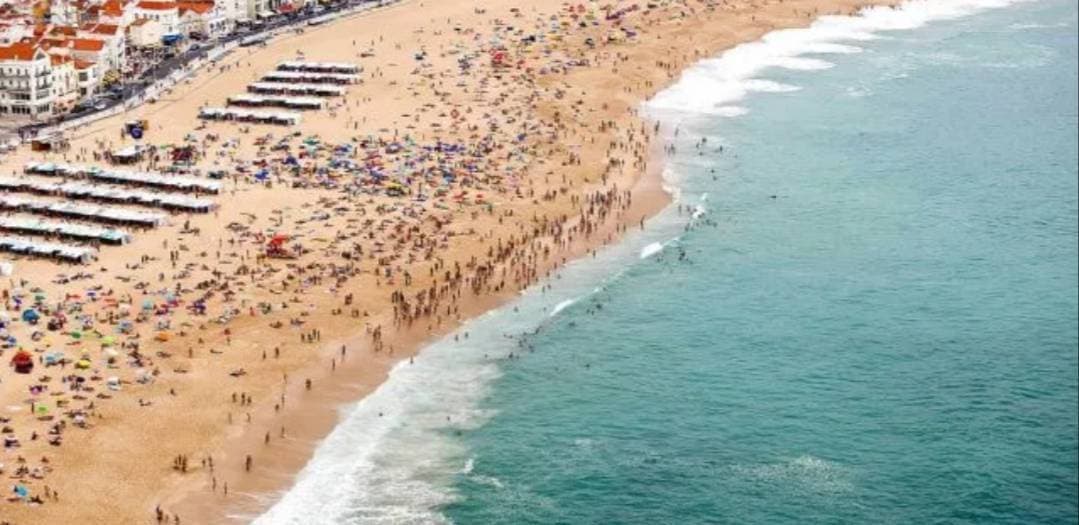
{"x": 108, "y": 340}
{"x": 82, "y": 364}
{"x": 23, "y": 362}
{"x": 30, "y": 315}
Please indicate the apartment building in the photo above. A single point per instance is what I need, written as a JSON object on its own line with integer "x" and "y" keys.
{"x": 26, "y": 81}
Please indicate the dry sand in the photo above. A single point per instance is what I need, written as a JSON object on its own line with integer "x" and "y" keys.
{"x": 574, "y": 181}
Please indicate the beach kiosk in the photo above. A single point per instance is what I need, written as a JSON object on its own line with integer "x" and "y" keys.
{"x": 128, "y": 155}
{"x": 49, "y": 142}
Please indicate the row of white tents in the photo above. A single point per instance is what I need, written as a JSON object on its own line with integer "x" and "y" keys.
{"x": 138, "y": 178}
{"x": 66, "y": 252}
{"x": 287, "y": 102}
{"x": 35, "y": 226}
{"x": 81, "y": 190}
{"x": 285, "y": 118}
{"x": 88, "y": 212}
{"x": 280, "y": 88}
{"x": 310, "y": 78}
{"x": 304, "y": 66}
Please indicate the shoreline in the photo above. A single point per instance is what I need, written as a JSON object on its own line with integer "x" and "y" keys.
{"x": 308, "y": 416}
{"x": 317, "y": 413}
{"x": 280, "y": 474}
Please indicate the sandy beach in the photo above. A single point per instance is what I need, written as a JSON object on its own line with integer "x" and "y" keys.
{"x": 508, "y": 141}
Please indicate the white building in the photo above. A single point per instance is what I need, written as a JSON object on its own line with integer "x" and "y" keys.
{"x": 65, "y": 84}
{"x": 145, "y": 33}
{"x": 165, "y": 13}
{"x": 206, "y": 18}
{"x": 63, "y": 12}
{"x": 117, "y": 13}
{"x": 25, "y": 81}
{"x": 115, "y": 44}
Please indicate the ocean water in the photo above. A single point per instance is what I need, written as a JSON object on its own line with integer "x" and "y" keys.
{"x": 862, "y": 309}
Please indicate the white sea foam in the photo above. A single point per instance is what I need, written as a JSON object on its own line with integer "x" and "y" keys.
{"x": 651, "y": 250}
{"x": 715, "y": 86}
{"x": 393, "y": 457}
{"x": 470, "y": 465}
{"x": 730, "y": 111}
{"x": 562, "y": 306}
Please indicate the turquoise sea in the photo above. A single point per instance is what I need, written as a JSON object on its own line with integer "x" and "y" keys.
{"x": 862, "y": 309}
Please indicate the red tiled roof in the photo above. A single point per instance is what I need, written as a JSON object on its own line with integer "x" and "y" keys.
{"x": 86, "y": 44}
{"x": 112, "y": 8}
{"x": 152, "y": 5}
{"x": 18, "y": 51}
{"x": 104, "y": 29}
{"x": 63, "y": 30}
{"x": 83, "y": 64}
{"x": 48, "y": 43}
{"x": 198, "y": 7}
